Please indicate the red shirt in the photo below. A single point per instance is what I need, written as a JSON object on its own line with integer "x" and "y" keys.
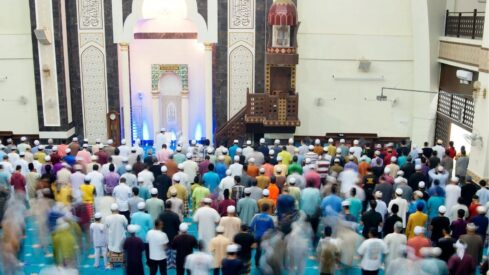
{"x": 417, "y": 243}
{"x": 473, "y": 210}
{"x": 314, "y": 177}
{"x": 18, "y": 182}
{"x": 223, "y": 207}
{"x": 451, "y": 152}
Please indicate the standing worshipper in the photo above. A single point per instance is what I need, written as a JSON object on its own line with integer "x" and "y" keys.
{"x": 199, "y": 262}
{"x": 434, "y": 202}
{"x": 461, "y": 263}
{"x": 416, "y": 219}
{"x": 230, "y": 223}
{"x": 133, "y": 248}
{"x": 395, "y": 242}
{"x": 372, "y": 251}
{"x": 134, "y": 200}
{"x": 207, "y": 219}
{"x": 483, "y": 193}
{"x": 459, "y": 225}
{"x": 64, "y": 245}
{"x": 157, "y": 241}
{"x": 446, "y": 243}
{"x": 462, "y": 163}
{"x": 232, "y": 265}
{"x": 418, "y": 241}
{"x": 183, "y": 244}
{"x": 116, "y": 230}
{"x": 217, "y": 247}
{"x": 98, "y": 234}
{"x": 247, "y": 208}
{"x": 246, "y": 242}
{"x": 121, "y": 193}
{"x": 144, "y": 221}
{"x": 475, "y": 244}
{"x": 402, "y": 205}
{"x": 171, "y": 223}
{"x": 154, "y": 205}
{"x": 391, "y": 220}
{"x": 371, "y": 219}
{"x": 438, "y": 224}
{"x": 452, "y": 193}
{"x": 260, "y": 224}
{"x": 200, "y": 192}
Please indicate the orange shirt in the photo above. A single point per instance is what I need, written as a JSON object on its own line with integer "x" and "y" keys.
{"x": 274, "y": 192}
{"x": 268, "y": 169}
{"x": 417, "y": 243}
{"x": 253, "y": 171}
{"x": 362, "y": 168}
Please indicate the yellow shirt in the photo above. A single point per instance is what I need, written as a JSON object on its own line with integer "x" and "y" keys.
{"x": 286, "y": 157}
{"x": 181, "y": 191}
{"x": 64, "y": 195}
{"x": 87, "y": 193}
{"x": 40, "y": 157}
{"x": 416, "y": 219}
{"x": 262, "y": 182}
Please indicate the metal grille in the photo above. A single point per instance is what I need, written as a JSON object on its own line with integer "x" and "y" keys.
{"x": 442, "y": 128}
{"x": 456, "y": 108}
{"x": 465, "y": 24}
{"x": 468, "y": 118}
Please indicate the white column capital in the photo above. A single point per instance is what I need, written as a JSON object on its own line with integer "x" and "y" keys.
{"x": 155, "y": 94}
{"x": 124, "y": 46}
{"x": 184, "y": 93}
{"x": 208, "y": 46}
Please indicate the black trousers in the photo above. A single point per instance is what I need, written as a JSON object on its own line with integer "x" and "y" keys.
{"x": 217, "y": 271}
{"x": 126, "y": 214}
{"x": 258, "y": 252}
{"x": 154, "y": 265}
{"x": 368, "y": 272}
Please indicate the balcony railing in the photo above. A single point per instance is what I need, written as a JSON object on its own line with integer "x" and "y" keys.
{"x": 465, "y": 24}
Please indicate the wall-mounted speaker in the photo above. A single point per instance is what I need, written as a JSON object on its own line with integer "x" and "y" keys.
{"x": 43, "y": 36}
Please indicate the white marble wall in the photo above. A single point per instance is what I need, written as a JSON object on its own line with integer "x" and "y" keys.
{"x": 93, "y": 74}
{"x": 241, "y": 53}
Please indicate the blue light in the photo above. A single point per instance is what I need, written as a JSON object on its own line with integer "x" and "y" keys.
{"x": 145, "y": 131}
{"x": 198, "y": 131}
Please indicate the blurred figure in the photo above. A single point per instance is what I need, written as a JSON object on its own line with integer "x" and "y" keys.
{"x": 64, "y": 245}
{"x": 430, "y": 264}
{"x": 98, "y": 233}
{"x": 199, "y": 262}
{"x": 372, "y": 251}
{"x": 297, "y": 246}
{"x": 232, "y": 265}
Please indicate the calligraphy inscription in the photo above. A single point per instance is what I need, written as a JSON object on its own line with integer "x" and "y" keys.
{"x": 90, "y": 14}
{"x": 242, "y": 14}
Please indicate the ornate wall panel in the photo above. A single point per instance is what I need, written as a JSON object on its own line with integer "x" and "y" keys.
{"x": 241, "y": 53}
{"x": 179, "y": 69}
{"x": 241, "y": 78}
{"x": 93, "y": 67}
{"x": 462, "y": 53}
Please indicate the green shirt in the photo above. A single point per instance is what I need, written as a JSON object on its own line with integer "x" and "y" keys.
{"x": 295, "y": 168}
{"x": 355, "y": 207}
{"x": 64, "y": 246}
{"x": 247, "y": 208}
{"x": 198, "y": 195}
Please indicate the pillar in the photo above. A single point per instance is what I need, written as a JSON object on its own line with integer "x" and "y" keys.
{"x": 208, "y": 92}
{"x": 156, "y": 112}
{"x": 185, "y": 115}
{"x": 126, "y": 90}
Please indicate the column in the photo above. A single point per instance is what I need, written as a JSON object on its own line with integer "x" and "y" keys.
{"x": 126, "y": 90}
{"x": 208, "y": 92}
{"x": 156, "y": 112}
{"x": 185, "y": 114}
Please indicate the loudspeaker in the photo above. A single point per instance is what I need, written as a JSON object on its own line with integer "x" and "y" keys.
{"x": 364, "y": 65}
{"x": 43, "y": 36}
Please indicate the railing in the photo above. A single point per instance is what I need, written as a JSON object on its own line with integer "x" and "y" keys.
{"x": 456, "y": 107}
{"x": 273, "y": 110}
{"x": 235, "y": 128}
{"x": 465, "y": 24}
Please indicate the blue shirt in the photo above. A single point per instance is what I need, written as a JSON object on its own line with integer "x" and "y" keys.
{"x": 331, "y": 205}
{"x": 481, "y": 222}
{"x": 220, "y": 169}
{"x": 71, "y": 160}
{"x": 232, "y": 151}
{"x": 145, "y": 223}
{"x": 433, "y": 203}
{"x": 310, "y": 200}
{"x": 260, "y": 224}
{"x": 401, "y": 161}
{"x": 211, "y": 180}
{"x": 285, "y": 204}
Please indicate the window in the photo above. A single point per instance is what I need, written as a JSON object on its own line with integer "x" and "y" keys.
{"x": 281, "y": 36}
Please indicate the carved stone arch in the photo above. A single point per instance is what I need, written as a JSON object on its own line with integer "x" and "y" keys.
{"x": 241, "y": 72}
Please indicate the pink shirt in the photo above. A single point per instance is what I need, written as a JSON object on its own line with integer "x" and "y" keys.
{"x": 163, "y": 155}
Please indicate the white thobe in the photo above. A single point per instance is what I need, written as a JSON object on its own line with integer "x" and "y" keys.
{"x": 207, "y": 218}
{"x": 76, "y": 180}
{"x": 357, "y": 151}
{"x": 236, "y": 169}
{"x": 347, "y": 179}
{"x": 403, "y": 206}
{"x": 190, "y": 168}
{"x": 160, "y": 139}
{"x": 226, "y": 183}
{"x": 116, "y": 229}
{"x": 148, "y": 178}
{"x": 24, "y": 165}
{"x": 97, "y": 180}
{"x": 131, "y": 179}
{"x": 124, "y": 150}
{"x": 248, "y": 150}
{"x": 452, "y": 193}
{"x": 121, "y": 193}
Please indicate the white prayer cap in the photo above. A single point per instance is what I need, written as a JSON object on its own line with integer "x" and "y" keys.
{"x": 330, "y": 140}
{"x": 183, "y": 227}
{"x": 189, "y": 155}
{"x": 387, "y": 170}
{"x": 278, "y": 169}
{"x": 345, "y": 203}
{"x": 221, "y": 158}
{"x": 173, "y": 191}
{"x": 291, "y": 140}
{"x": 400, "y": 173}
{"x": 180, "y": 166}
{"x": 94, "y": 157}
{"x": 235, "y": 141}
{"x": 279, "y": 158}
{"x": 439, "y": 142}
{"x": 224, "y": 151}
{"x": 220, "y": 229}
{"x": 377, "y": 153}
{"x": 231, "y": 209}
{"x": 97, "y": 140}
{"x": 140, "y": 179}
{"x": 421, "y": 184}
{"x": 252, "y": 160}
{"x": 418, "y": 230}
{"x": 123, "y": 141}
{"x": 442, "y": 209}
{"x": 239, "y": 150}
{"x": 337, "y": 160}
{"x": 342, "y": 140}
{"x": 236, "y": 158}
{"x": 397, "y": 180}
{"x": 262, "y": 170}
{"x": 262, "y": 140}
{"x": 23, "y": 139}
{"x": 133, "y": 228}
{"x": 271, "y": 152}
{"x": 248, "y": 142}
{"x": 55, "y": 148}
{"x": 247, "y": 190}
{"x": 351, "y": 150}
{"x": 439, "y": 168}
{"x": 85, "y": 140}
{"x": 399, "y": 191}
{"x": 97, "y": 215}
{"x": 232, "y": 248}
{"x": 125, "y": 159}
{"x": 355, "y": 142}
{"x": 110, "y": 141}
{"x": 393, "y": 159}
{"x": 311, "y": 147}
{"x": 308, "y": 160}
{"x": 277, "y": 141}
{"x": 292, "y": 180}
{"x": 141, "y": 205}
{"x": 351, "y": 157}
{"x": 162, "y": 130}
{"x": 325, "y": 149}
{"x": 179, "y": 148}
{"x": 177, "y": 178}
{"x": 378, "y": 194}
{"x": 85, "y": 145}
{"x": 207, "y": 200}
{"x": 228, "y": 172}
{"x": 471, "y": 226}
{"x": 36, "y": 142}
{"x": 317, "y": 142}
{"x": 420, "y": 151}
{"x": 418, "y": 193}
{"x": 435, "y": 251}
{"x": 77, "y": 167}
{"x": 418, "y": 167}
{"x": 338, "y": 150}
{"x": 265, "y": 192}
{"x": 128, "y": 167}
{"x": 154, "y": 191}
{"x": 481, "y": 209}
{"x": 193, "y": 142}
{"x": 454, "y": 179}
{"x": 114, "y": 207}
{"x": 210, "y": 150}
{"x": 163, "y": 169}
{"x": 47, "y": 158}
{"x": 68, "y": 150}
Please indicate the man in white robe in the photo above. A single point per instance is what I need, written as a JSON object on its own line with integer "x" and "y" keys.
{"x": 207, "y": 219}
{"x": 160, "y": 139}
{"x": 116, "y": 229}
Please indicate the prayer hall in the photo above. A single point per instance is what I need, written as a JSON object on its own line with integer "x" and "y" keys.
{"x": 232, "y": 137}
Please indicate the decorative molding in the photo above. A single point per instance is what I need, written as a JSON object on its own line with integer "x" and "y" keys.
{"x": 241, "y": 72}
{"x": 246, "y": 37}
{"x": 90, "y": 15}
{"x": 124, "y": 47}
{"x": 179, "y": 69}
{"x": 241, "y": 14}
{"x": 87, "y": 37}
{"x": 165, "y": 35}
{"x": 463, "y": 53}
{"x": 57, "y": 135}
{"x": 484, "y": 60}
